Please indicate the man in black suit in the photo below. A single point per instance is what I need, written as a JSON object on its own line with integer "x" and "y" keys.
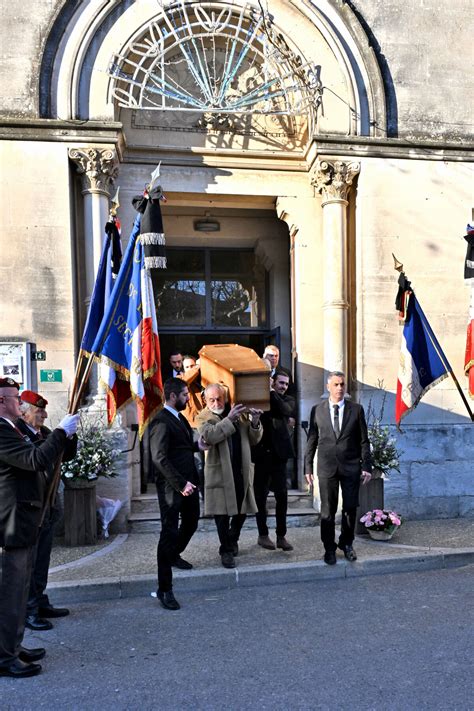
{"x": 172, "y": 452}
{"x": 270, "y": 456}
{"x": 175, "y": 367}
{"x": 338, "y": 431}
{"x": 31, "y": 423}
{"x": 24, "y": 473}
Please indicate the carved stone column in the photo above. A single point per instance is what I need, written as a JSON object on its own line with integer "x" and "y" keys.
{"x": 333, "y": 180}
{"x": 302, "y": 214}
{"x": 98, "y": 167}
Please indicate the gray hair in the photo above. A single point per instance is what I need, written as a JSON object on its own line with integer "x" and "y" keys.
{"x": 26, "y": 407}
{"x": 219, "y": 386}
{"x": 335, "y": 374}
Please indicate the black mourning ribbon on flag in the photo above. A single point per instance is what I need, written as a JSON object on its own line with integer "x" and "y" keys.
{"x": 403, "y": 286}
{"x": 469, "y": 263}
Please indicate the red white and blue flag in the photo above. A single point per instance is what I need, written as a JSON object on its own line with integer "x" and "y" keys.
{"x": 109, "y": 266}
{"x": 422, "y": 362}
{"x": 469, "y": 280}
{"x": 127, "y": 343}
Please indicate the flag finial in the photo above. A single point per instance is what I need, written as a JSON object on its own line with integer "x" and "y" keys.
{"x": 115, "y": 203}
{"x": 398, "y": 266}
{"x": 155, "y": 176}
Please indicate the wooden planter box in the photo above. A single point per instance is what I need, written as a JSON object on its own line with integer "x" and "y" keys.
{"x": 80, "y": 516}
{"x": 241, "y": 370}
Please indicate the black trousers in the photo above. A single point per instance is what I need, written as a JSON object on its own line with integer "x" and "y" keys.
{"x": 228, "y": 530}
{"x": 174, "y": 536}
{"x": 329, "y": 493}
{"x": 229, "y": 527}
{"x": 41, "y": 559}
{"x": 15, "y": 574}
{"x": 270, "y": 473}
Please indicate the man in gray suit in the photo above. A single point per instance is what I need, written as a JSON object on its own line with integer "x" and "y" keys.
{"x": 338, "y": 431}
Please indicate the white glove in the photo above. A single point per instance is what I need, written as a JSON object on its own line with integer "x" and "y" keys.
{"x": 69, "y": 424}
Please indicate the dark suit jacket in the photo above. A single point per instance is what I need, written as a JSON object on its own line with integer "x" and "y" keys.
{"x": 172, "y": 451}
{"x": 276, "y": 438}
{"x": 167, "y": 372}
{"x": 70, "y": 449}
{"x": 347, "y": 454}
{"x": 23, "y": 483}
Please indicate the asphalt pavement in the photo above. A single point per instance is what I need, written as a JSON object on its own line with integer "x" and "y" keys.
{"x": 389, "y": 641}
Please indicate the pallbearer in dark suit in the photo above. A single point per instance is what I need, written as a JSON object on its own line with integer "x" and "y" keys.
{"x": 24, "y": 475}
{"x": 172, "y": 451}
{"x": 338, "y": 431}
{"x": 270, "y": 456}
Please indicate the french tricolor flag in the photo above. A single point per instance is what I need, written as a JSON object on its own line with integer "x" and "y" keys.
{"x": 469, "y": 279}
{"x": 422, "y": 362}
{"x": 127, "y": 343}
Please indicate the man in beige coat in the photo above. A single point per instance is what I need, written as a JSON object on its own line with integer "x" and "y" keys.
{"x": 228, "y": 469}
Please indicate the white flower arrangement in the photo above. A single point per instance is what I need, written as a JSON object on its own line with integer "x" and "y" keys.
{"x": 95, "y": 454}
{"x": 383, "y": 445}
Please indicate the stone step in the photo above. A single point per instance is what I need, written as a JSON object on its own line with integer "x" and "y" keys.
{"x": 148, "y": 503}
{"x": 150, "y": 522}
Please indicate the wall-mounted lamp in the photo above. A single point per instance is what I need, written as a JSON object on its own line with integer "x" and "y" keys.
{"x": 207, "y": 224}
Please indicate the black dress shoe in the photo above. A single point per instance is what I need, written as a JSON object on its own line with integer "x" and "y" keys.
{"x": 19, "y": 669}
{"x": 33, "y": 622}
{"x": 227, "y": 560}
{"x": 181, "y": 563}
{"x": 31, "y": 655}
{"x": 50, "y": 611}
{"x": 168, "y": 600}
{"x": 330, "y": 558}
{"x": 349, "y": 552}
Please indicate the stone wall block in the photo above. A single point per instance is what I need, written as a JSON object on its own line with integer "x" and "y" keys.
{"x": 452, "y": 479}
{"x": 429, "y": 507}
{"x": 466, "y": 506}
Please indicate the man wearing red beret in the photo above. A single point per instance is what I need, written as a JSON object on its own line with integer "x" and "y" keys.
{"x": 31, "y": 423}
{"x": 24, "y": 474}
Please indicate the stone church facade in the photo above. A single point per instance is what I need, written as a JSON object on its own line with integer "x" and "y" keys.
{"x": 347, "y": 137}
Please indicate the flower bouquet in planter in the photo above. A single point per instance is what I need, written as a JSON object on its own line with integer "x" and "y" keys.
{"x": 95, "y": 457}
{"x": 381, "y": 523}
{"x": 383, "y": 445}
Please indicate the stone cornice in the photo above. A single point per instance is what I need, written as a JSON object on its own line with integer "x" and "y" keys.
{"x": 111, "y": 132}
{"x": 55, "y": 130}
{"x": 374, "y": 147}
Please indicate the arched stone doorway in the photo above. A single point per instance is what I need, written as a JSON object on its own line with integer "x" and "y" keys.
{"x": 294, "y": 166}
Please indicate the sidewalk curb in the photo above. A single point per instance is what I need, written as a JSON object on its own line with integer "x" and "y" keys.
{"x": 211, "y": 579}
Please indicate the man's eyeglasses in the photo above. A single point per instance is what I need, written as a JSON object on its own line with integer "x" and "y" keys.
{"x": 15, "y": 396}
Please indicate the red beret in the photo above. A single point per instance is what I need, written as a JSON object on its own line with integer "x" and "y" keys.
{"x": 8, "y": 383}
{"x": 33, "y": 398}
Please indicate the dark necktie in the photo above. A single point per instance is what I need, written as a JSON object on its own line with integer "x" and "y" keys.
{"x": 184, "y": 422}
{"x": 336, "y": 421}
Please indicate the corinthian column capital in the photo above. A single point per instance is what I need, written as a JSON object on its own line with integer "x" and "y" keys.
{"x": 98, "y": 167}
{"x": 334, "y": 179}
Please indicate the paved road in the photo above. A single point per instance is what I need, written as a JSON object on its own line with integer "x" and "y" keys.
{"x": 403, "y": 642}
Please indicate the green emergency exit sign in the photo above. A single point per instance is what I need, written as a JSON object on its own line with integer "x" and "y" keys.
{"x": 51, "y": 376}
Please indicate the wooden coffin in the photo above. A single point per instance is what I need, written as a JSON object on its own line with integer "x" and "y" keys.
{"x": 241, "y": 370}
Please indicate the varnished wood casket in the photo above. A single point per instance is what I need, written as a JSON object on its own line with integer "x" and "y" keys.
{"x": 241, "y": 370}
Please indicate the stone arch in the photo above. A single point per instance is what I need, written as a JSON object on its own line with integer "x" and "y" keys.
{"x": 84, "y": 37}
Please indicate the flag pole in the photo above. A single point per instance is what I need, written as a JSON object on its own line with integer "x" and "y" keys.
{"x": 79, "y": 363}
{"x": 445, "y": 362}
{"x": 398, "y": 266}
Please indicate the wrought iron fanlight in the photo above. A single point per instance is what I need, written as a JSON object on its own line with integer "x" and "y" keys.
{"x": 214, "y": 57}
